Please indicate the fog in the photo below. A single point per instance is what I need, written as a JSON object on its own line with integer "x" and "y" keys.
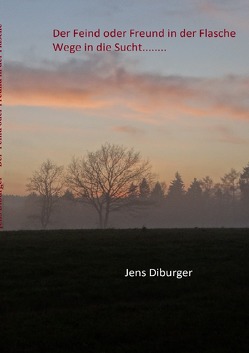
{"x": 23, "y": 212}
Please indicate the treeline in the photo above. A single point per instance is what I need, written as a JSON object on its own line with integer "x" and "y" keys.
{"x": 149, "y": 204}
{"x": 114, "y": 187}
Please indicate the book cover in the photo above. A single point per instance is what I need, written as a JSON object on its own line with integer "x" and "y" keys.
{"x": 124, "y": 175}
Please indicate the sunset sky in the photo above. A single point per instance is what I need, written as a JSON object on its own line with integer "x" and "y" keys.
{"x": 186, "y": 109}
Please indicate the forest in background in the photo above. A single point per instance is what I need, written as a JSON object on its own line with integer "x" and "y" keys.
{"x": 149, "y": 204}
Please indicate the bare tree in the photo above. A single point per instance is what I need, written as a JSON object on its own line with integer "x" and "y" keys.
{"x": 103, "y": 178}
{"x": 48, "y": 183}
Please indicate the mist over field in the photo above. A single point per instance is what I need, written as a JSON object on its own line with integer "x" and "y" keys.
{"x": 114, "y": 188}
{"x": 24, "y": 213}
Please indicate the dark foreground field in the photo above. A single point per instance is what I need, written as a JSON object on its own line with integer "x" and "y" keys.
{"x": 65, "y": 291}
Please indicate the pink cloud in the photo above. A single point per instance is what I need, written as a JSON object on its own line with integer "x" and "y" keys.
{"x": 225, "y": 134}
{"x": 106, "y": 85}
{"x": 229, "y": 11}
{"x": 127, "y": 129}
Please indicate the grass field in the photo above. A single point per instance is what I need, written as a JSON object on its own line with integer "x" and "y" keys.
{"x": 65, "y": 291}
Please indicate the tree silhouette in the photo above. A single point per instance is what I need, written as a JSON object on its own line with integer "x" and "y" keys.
{"x": 158, "y": 193}
{"x": 176, "y": 189}
{"x": 230, "y": 184}
{"x": 219, "y": 194}
{"x": 103, "y": 178}
{"x": 133, "y": 192}
{"x": 207, "y": 186}
{"x": 244, "y": 185}
{"x": 144, "y": 190}
{"x": 194, "y": 192}
{"x": 48, "y": 183}
{"x": 68, "y": 195}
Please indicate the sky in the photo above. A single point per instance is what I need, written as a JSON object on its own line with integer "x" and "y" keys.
{"x": 185, "y": 108}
